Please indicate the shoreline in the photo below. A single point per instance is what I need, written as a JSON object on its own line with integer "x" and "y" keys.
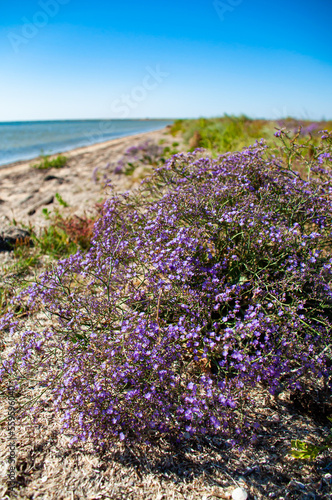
{"x": 70, "y": 153}
{"x": 26, "y": 191}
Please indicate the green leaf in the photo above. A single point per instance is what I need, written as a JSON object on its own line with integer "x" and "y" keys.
{"x": 305, "y": 451}
{"x": 242, "y": 279}
{"x": 61, "y": 201}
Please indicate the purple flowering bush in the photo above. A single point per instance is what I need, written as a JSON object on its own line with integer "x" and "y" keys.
{"x": 146, "y": 152}
{"x": 214, "y": 278}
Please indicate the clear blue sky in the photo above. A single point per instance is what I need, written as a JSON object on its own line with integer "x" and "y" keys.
{"x": 63, "y": 59}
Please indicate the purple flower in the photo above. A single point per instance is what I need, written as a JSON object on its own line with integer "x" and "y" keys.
{"x": 211, "y": 279}
{"x": 324, "y": 156}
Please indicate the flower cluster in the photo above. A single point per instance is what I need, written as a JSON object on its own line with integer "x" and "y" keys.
{"x": 213, "y": 278}
{"x": 305, "y": 126}
{"x": 144, "y": 153}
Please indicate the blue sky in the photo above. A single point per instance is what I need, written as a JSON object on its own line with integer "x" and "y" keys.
{"x": 65, "y": 59}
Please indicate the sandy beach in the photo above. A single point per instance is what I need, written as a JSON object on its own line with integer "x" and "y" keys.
{"x": 25, "y": 191}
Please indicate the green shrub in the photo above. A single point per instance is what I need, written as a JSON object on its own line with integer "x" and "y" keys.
{"x": 231, "y": 133}
{"x": 45, "y": 164}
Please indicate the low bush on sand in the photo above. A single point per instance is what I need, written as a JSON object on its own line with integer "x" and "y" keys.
{"x": 45, "y": 163}
{"x": 213, "y": 279}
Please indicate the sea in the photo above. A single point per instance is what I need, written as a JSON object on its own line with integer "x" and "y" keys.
{"x": 27, "y": 140}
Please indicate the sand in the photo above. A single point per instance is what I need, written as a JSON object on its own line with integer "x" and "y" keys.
{"x": 25, "y": 191}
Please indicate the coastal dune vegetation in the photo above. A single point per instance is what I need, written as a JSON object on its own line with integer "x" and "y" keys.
{"x": 231, "y": 133}
{"x": 212, "y": 280}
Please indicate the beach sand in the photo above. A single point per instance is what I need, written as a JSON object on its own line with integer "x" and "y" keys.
{"x": 25, "y": 191}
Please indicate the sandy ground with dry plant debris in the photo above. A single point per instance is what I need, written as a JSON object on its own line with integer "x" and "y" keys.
{"x": 48, "y": 468}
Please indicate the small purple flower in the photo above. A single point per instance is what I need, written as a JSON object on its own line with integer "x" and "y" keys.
{"x": 324, "y": 156}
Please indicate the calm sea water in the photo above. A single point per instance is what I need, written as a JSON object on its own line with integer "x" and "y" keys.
{"x": 27, "y": 140}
